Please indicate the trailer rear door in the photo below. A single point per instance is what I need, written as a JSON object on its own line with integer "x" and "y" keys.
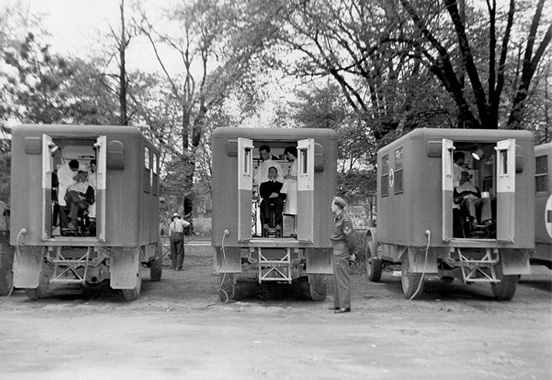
{"x": 245, "y": 187}
{"x": 506, "y": 187}
{"x": 305, "y": 190}
{"x": 101, "y": 157}
{"x": 447, "y": 171}
{"x": 48, "y": 148}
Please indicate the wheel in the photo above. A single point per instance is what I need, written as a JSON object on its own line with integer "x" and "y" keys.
{"x": 373, "y": 264}
{"x": 411, "y": 281}
{"x": 6, "y": 281}
{"x": 42, "y": 290}
{"x": 318, "y": 287}
{"x": 506, "y": 288}
{"x": 227, "y": 289}
{"x": 156, "y": 264}
{"x": 133, "y": 294}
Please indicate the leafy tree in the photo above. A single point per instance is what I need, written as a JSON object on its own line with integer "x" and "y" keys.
{"x": 217, "y": 65}
{"x": 479, "y": 106}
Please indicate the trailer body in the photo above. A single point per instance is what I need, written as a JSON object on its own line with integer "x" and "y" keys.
{"x": 126, "y": 221}
{"x": 421, "y": 227}
{"x": 238, "y": 246}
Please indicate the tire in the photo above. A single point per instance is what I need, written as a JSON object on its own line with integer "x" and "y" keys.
{"x": 410, "y": 281}
{"x": 156, "y": 264}
{"x": 43, "y": 283}
{"x": 373, "y": 263}
{"x": 227, "y": 290}
{"x": 506, "y": 288}
{"x": 318, "y": 287}
{"x": 133, "y": 294}
{"x": 6, "y": 281}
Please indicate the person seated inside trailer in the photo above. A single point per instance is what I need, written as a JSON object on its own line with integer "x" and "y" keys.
{"x": 79, "y": 197}
{"x": 272, "y": 202}
{"x": 468, "y": 197}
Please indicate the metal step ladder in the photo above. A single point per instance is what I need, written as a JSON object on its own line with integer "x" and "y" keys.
{"x": 68, "y": 270}
{"x": 274, "y": 269}
{"x": 478, "y": 270}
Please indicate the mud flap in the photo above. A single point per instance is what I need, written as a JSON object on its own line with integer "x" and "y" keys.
{"x": 319, "y": 261}
{"x": 515, "y": 262}
{"x": 27, "y": 267}
{"x": 124, "y": 266}
{"x": 417, "y": 260}
{"x": 228, "y": 260}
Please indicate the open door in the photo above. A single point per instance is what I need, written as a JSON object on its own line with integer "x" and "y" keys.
{"x": 447, "y": 171}
{"x": 305, "y": 190}
{"x": 101, "y": 174}
{"x": 48, "y": 148}
{"x": 505, "y": 188}
{"x": 245, "y": 188}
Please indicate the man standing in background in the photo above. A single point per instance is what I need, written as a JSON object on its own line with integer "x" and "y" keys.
{"x": 176, "y": 232}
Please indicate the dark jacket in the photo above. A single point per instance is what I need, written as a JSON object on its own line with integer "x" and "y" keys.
{"x": 270, "y": 187}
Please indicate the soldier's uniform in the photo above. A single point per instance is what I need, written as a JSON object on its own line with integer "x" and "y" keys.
{"x": 342, "y": 242}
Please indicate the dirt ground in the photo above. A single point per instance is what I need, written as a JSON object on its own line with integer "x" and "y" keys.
{"x": 179, "y": 329}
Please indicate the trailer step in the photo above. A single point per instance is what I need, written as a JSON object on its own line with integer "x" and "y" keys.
{"x": 271, "y": 269}
{"x": 478, "y": 270}
{"x": 65, "y": 267}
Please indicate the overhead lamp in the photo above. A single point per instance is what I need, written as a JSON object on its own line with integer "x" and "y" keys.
{"x": 53, "y": 147}
{"x": 477, "y": 154}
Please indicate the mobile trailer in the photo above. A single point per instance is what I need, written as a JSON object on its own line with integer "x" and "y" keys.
{"x": 126, "y": 232}
{"x": 241, "y": 255}
{"x": 543, "y": 206}
{"x": 419, "y": 227}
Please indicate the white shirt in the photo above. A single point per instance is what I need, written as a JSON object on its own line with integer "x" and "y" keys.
{"x": 65, "y": 179}
{"x": 262, "y": 172}
{"x": 178, "y": 225}
{"x": 457, "y": 174}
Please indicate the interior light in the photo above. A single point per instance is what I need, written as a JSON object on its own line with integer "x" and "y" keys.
{"x": 477, "y": 154}
{"x": 53, "y": 147}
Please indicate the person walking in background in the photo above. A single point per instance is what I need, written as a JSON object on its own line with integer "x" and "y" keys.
{"x": 342, "y": 238}
{"x": 176, "y": 232}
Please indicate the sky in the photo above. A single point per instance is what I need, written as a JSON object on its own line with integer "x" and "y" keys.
{"x": 77, "y": 26}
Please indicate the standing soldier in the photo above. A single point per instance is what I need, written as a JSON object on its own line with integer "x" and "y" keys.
{"x": 343, "y": 243}
{"x": 176, "y": 232}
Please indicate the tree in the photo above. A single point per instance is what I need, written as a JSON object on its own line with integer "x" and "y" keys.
{"x": 437, "y": 54}
{"x": 217, "y": 62}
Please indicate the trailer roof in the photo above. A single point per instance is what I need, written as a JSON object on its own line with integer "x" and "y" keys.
{"x": 466, "y": 135}
{"x": 274, "y": 134}
{"x": 75, "y": 130}
{"x": 543, "y": 148}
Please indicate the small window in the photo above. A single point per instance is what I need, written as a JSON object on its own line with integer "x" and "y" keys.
{"x": 504, "y": 157}
{"x": 154, "y": 164}
{"x": 148, "y": 174}
{"x": 385, "y": 176}
{"x": 399, "y": 171}
{"x": 147, "y": 158}
{"x": 247, "y": 162}
{"x": 304, "y": 161}
{"x": 541, "y": 173}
